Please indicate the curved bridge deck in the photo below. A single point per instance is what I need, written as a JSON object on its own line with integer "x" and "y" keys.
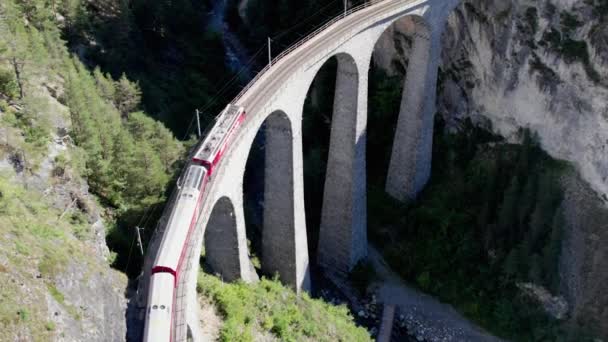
{"x": 276, "y": 96}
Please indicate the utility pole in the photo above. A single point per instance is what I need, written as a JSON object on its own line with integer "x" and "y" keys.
{"x": 198, "y": 123}
{"x": 141, "y": 246}
{"x": 345, "y": 7}
{"x": 269, "y": 52}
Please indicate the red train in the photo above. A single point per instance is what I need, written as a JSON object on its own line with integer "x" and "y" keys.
{"x": 182, "y": 221}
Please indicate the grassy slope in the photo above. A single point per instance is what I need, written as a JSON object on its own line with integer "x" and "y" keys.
{"x": 35, "y": 247}
{"x": 269, "y": 308}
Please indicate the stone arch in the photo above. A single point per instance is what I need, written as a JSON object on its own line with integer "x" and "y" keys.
{"x": 342, "y": 232}
{"x": 410, "y": 161}
{"x": 225, "y": 250}
{"x": 284, "y": 246}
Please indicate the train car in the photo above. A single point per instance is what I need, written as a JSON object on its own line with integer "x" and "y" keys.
{"x": 160, "y": 308}
{"x": 168, "y": 261}
{"x": 182, "y": 219}
{"x": 215, "y": 143}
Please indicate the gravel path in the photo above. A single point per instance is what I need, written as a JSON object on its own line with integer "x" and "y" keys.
{"x": 424, "y": 316}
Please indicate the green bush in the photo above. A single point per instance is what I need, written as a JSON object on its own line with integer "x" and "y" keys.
{"x": 8, "y": 85}
{"x": 569, "y": 21}
{"x": 570, "y": 49}
{"x": 531, "y": 18}
{"x": 362, "y": 275}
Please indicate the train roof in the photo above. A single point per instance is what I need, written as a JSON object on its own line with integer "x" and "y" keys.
{"x": 219, "y": 133}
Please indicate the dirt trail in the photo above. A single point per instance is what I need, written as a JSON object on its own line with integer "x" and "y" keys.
{"x": 426, "y": 317}
{"x": 210, "y": 321}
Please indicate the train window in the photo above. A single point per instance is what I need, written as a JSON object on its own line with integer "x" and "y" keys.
{"x": 200, "y": 180}
{"x": 193, "y": 176}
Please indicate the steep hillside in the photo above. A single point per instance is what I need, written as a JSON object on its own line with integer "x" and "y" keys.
{"x": 544, "y": 65}
{"x": 55, "y": 276}
{"x": 507, "y": 65}
{"x": 540, "y": 65}
{"x": 79, "y": 164}
{"x": 269, "y": 311}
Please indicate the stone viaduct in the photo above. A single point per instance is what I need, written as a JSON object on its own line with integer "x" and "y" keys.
{"x": 275, "y": 101}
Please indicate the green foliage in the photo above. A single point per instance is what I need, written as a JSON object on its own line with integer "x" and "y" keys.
{"x": 269, "y": 307}
{"x": 268, "y": 18}
{"x": 570, "y": 49}
{"x": 362, "y": 275}
{"x": 127, "y": 158}
{"x": 574, "y": 50}
{"x": 546, "y": 75}
{"x": 56, "y": 294}
{"x": 600, "y": 8}
{"x": 164, "y": 46}
{"x": 49, "y": 326}
{"x": 569, "y": 22}
{"x": 488, "y": 219}
{"x": 8, "y": 84}
{"x": 424, "y": 281}
{"x": 531, "y": 19}
{"x": 129, "y": 163}
{"x": 33, "y": 241}
{"x": 127, "y": 95}
{"x": 23, "y": 315}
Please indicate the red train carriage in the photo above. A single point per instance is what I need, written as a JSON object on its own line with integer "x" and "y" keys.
{"x": 181, "y": 223}
{"x": 215, "y": 143}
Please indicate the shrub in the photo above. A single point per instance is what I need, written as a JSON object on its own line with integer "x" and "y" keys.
{"x": 531, "y": 17}
{"x": 8, "y": 84}
{"x": 270, "y": 307}
{"x": 362, "y": 275}
{"x": 569, "y": 22}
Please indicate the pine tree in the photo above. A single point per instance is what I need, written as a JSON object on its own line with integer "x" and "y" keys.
{"x": 552, "y": 251}
{"x": 127, "y": 96}
{"x": 535, "y": 271}
{"x": 511, "y": 265}
{"x": 105, "y": 85}
{"x": 527, "y": 199}
{"x": 508, "y": 209}
{"x": 548, "y": 196}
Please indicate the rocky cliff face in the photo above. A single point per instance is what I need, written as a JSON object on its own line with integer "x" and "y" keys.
{"x": 536, "y": 64}
{"x": 541, "y": 65}
{"x": 55, "y": 280}
{"x": 520, "y": 63}
{"x": 583, "y": 272}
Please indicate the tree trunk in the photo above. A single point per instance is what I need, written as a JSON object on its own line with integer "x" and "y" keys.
{"x": 17, "y": 69}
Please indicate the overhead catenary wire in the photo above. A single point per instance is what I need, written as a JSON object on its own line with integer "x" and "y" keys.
{"x": 225, "y": 87}
{"x": 149, "y": 213}
{"x": 252, "y": 60}
{"x": 234, "y": 79}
